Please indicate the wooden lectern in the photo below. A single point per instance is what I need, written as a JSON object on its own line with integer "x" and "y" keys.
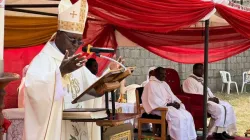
{"x": 107, "y": 83}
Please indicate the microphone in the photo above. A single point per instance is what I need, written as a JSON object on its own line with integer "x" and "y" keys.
{"x": 89, "y": 49}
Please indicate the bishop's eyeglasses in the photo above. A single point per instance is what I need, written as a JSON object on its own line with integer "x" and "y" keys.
{"x": 73, "y": 40}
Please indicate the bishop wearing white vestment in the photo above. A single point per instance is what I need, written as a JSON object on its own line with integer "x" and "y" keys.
{"x": 157, "y": 93}
{"x": 222, "y": 113}
{"x": 55, "y": 77}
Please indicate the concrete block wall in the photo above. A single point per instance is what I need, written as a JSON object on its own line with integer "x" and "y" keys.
{"x": 143, "y": 60}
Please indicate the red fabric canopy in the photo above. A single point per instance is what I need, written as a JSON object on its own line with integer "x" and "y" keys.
{"x": 238, "y": 19}
{"x": 166, "y": 15}
{"x": 150, "y": 15}
{"x": 100, "y": 33}
{"x": 14, "y": 61}
{"x": 187, "y": 45}
{"x": 154, "y": 25}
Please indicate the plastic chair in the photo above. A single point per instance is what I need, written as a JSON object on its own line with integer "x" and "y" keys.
{"x": 228, "y": 81}
{"x": 245, "y": 81}
{"x": 130, "y": 92}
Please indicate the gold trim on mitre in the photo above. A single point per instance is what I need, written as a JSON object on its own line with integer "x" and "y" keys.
{"x": 72, "y": 17}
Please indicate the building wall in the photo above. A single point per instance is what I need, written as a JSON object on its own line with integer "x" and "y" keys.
{"x": 143, "y": 60}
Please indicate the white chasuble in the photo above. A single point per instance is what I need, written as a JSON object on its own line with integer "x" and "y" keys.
{"x": 222, "y": 114}
{"x": 180, "y": 122}
{"x": 46, "y": 96}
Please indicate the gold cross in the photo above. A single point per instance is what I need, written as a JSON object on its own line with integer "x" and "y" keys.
{"x": 73, "y": 14}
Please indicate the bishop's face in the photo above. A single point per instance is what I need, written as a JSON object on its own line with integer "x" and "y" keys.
{"x": 68, "y": 41}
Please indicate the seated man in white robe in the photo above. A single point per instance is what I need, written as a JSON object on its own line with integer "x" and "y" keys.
{"x": 147, "y": 127}
{"x": 55, "y": 77}
{"x": 157, "y": 93}
{"x": 223, "y": 121}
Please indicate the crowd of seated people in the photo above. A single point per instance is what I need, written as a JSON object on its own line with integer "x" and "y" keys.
{"x": 157, "y": 93}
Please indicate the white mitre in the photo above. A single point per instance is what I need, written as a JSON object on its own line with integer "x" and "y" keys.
{"x": 72, "y": 17}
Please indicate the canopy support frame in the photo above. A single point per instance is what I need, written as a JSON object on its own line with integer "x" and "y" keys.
{"x": 206, "y": 46}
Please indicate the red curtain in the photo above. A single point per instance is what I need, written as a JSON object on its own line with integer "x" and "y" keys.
{"x": 151, "y": 15}
{"x": 187, "y": 45}
{"x": 238, "y": 19}
{"x": 100, "y": 34}
{"x": 154, "y": 25}
{"x": 14, "y": 61}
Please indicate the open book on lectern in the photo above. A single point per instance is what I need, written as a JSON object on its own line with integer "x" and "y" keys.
{"x": 108, "y": 82}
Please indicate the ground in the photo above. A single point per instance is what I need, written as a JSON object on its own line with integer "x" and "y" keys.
{"x": 241, "y": 105}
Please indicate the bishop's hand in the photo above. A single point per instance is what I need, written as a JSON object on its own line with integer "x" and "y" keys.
{"x": 70, "y": 64}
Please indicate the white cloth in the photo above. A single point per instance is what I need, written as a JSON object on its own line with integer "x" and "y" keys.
{"x": 147, "y": 126}
{"x": 20, "y": 89}
{"x": 21, "y": 94}
{"x": 126, "y": 108}
{"x": 46, "y": 97}
{"x": 210, "y": 14}
{"x": 180, "y": 122}
{"x": 145, "y": 82}
{"x": 195, "y": 86}
{"x": 222, "y": 114}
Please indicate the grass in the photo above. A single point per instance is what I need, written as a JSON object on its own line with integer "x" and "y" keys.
{"x": 241, "y": 105}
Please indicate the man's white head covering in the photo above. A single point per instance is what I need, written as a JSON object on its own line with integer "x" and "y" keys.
{"x": 150, "y": 69}
{"x": 72, "y": 17}
{"x": 145, "y": 82}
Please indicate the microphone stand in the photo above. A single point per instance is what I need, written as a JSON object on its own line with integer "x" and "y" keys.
{"x": 112, "y": 92}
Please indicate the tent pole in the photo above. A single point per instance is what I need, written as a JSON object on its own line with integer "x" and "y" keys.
{"x": 205, "y": 79}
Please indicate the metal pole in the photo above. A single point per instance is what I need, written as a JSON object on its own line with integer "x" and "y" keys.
{"x": 113, "y": 103}
{"x": 107, "y": 100}
{"x": 101, "y": 132}
{"x": 241, "y": 2}
{"x": 205, "y": 79}
{"x": 31, "y": 5}
{"x": 107, "y": 103}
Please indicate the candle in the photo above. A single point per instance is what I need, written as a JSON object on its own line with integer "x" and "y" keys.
{"x": 2, "y": 3}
